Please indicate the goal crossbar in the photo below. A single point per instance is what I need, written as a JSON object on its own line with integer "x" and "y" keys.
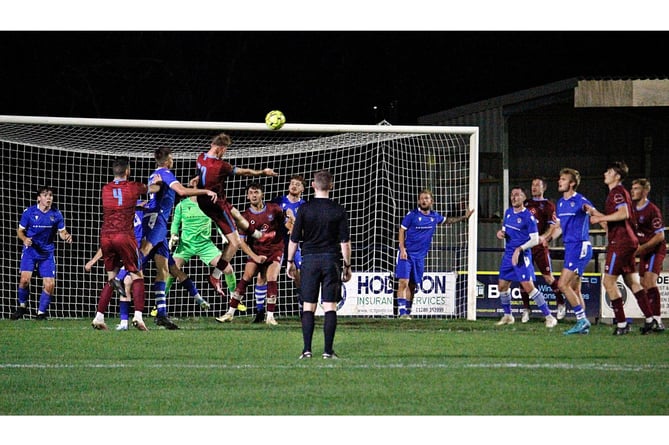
{"x": 226, "y": 126}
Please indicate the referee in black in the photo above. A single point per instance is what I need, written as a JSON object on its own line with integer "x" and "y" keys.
{"x": 321, "y": 225}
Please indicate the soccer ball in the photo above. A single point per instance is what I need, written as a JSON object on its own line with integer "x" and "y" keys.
{"x": 275, "y": 119}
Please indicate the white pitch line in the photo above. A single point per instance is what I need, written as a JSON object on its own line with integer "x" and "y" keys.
{"x": 605, "y": 367}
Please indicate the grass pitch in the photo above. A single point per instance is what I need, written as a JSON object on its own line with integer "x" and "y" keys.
{"x": 387, "y": 367}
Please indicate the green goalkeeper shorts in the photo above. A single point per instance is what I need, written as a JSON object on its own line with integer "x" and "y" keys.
{"x": 206, "y": 251}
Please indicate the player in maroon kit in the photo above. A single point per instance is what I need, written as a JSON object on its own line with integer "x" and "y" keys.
{"x": 213, "y": 171}
{"x": 264, "y": 255}
{"x": 543, "y": 211}
{"x": 117, "y": 235}
{"x": 620, "y": 252}
{"x": 652, "y": 245}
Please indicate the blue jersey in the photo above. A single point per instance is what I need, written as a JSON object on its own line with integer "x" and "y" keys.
{"x": 287, "y": 204}
{"x": 574, "y": 221}
{"x": 137, "y": 223}
{"x": 419, "y": 231}
{"x": 518, "y": 226}
{"x": 162, "y": 202}
{"x": 42, "y": 227}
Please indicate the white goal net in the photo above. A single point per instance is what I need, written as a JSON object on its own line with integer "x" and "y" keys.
{"x": 378, "y": 173}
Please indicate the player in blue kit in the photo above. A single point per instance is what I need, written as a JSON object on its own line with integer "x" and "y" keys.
{"x": 155, "y": 227}
{"x": 519, "y": 229}
{"x": 37, "y": 231}
{"x": 573, "y": 222}
{"x": 415, "y": 238}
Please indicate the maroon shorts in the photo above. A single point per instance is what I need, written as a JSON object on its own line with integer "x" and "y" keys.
{"x": 252, "y": 268}
{"x": 273, "y": 252}
{"x": 651, "y": 263}
{"x": 120, "y": 249}
{"x": 620, "y": 260}
{"x": 219, "y": 212}
{"x": 542, "y": 259}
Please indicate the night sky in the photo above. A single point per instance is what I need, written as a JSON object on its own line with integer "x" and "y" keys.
{"x": 313, "y": 76}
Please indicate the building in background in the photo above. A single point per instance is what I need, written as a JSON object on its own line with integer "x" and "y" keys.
{"x": 580, "y": 123}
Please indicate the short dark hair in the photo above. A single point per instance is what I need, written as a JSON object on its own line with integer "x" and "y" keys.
{"x": 619, "y": 167}
{"x": 542, "y": 179}
{"x": 256, "y": 186}
{"x": 298, "y": 178}
{"x": 517, "y": 187}
{"x": 44, "y": 188}
{"x": 120, "y": 165}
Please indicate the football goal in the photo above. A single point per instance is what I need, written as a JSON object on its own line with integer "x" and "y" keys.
{"x": 378, "y": 171}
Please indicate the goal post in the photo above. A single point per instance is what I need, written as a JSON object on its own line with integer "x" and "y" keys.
{"x": 378, "y": 171}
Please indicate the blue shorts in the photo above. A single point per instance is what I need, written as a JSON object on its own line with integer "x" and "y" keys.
{"x": 411, "y": 269}
{"x": 162, "y": 249}
{"x": 577, "y": 256}
{"x": 44, "y": 262}
{"x": 523, "y": 271}
{"x": 154, "y": 228}
{"x": 297, "y": 258}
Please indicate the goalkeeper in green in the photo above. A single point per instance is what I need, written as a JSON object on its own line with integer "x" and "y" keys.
{"x": 191, "y": 233}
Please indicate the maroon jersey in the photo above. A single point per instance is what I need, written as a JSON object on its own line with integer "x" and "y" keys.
{"x": 648, "y": 220}
{"x": 543, "y": 211}
{"x": 213, "y": 173}
{"x": 620, "y": 233}
{"x": 269, "y": 219}
{"x": 119, "y": 199}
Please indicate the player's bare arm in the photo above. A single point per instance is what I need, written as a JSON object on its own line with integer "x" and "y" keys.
{"x": 464, "y": 217}
{"x": 557, "y": 230}
{"x": 621, "y": 213}
{"x": 650, "y": 244}
{"x": 240, "y": 171}
{"x": 291, "y": 269}
{"x": 347, "y": 267}
{"x": 21, "y": 234}
{"x": 402, "y": 239}
{"x": 89, "y": 265}
{"x": 65, "y": 236}
{"x": 290, "y": 220}
{"x": 260, "y": 259}
{"x": 187, "y": 191}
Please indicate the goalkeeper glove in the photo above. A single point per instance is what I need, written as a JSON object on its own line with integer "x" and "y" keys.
{"x": 174, "y": 239}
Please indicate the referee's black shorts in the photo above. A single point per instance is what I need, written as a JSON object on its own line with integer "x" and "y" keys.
{"x": 321, "y": 272}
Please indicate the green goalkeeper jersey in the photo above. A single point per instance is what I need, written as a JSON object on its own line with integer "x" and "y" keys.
{"x": 194, "y": 224}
